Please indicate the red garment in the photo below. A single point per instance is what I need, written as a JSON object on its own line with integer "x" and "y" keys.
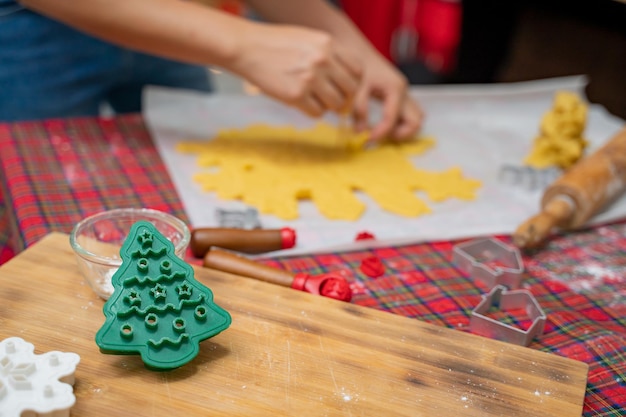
{"x": 408, "y": 30}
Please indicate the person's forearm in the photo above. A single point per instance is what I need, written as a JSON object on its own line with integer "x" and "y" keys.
{"x": 317, "y": 14}
{"x": 174, "y": 29}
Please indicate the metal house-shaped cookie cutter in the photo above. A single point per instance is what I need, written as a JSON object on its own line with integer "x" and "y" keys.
{"x": 499, "y": 266}
{"x": 508, "y": 300}
{"x": 490, "y": 261}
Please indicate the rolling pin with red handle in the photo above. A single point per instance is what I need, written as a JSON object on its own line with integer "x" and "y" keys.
{"x": 240, "y": 240}
{"x": 579, "y": 194}
{"x": 328, "y": 285}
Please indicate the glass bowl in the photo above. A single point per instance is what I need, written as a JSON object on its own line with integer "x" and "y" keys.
{"x": 97, "y": 240}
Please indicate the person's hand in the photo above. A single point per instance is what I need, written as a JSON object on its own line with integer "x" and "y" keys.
{"x": 302, "y": 67}
{"x": 401, "y": 115}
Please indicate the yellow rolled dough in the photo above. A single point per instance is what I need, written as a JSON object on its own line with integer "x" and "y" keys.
{"x": 273, "y": 168}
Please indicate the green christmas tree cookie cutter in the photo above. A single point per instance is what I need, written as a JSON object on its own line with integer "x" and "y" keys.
{"x": 158, "y": 309}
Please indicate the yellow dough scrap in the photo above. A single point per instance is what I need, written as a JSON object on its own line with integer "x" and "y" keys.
{"x": 272, "y": 168}
{"x": 560, "y": 142}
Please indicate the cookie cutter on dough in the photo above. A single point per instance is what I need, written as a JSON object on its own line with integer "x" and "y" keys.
{"x": 35, "y": 385}
{"x": 504, "y": 299}
{"x": 490, "y": 261}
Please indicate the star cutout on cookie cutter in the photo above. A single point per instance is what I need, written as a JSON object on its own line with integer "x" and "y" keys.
{"x": 505, "y": 300}
{"x": 490, "y": 261}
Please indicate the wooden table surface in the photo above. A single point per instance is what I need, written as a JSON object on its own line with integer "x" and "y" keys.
{"x": 286, "y": 353}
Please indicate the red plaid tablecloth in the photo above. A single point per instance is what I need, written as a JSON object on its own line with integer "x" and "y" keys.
{"x": 54, "y": 173}
{"x": 57, "y": 172}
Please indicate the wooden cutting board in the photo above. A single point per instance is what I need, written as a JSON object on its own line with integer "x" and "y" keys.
{"x": 286, "y": 353}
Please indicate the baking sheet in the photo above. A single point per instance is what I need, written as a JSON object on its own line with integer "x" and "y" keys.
{"x": 476, "y": 127}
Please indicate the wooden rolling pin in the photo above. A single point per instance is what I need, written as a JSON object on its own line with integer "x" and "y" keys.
{"x": 580, "y": 193}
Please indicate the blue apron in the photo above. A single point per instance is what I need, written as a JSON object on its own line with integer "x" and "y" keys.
{"x": 50, "y": 70}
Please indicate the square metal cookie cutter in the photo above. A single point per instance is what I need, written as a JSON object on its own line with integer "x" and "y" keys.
{"x": 500, "y": 297}
{"x": 528, "y": 177}
{"x": 490, "y": 261}
{"x": 240, "y": 219}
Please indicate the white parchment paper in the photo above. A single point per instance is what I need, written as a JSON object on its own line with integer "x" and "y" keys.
{"x": 477, "y": 127}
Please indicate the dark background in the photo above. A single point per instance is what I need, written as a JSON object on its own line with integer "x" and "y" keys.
{"x": 508, "y": 41}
